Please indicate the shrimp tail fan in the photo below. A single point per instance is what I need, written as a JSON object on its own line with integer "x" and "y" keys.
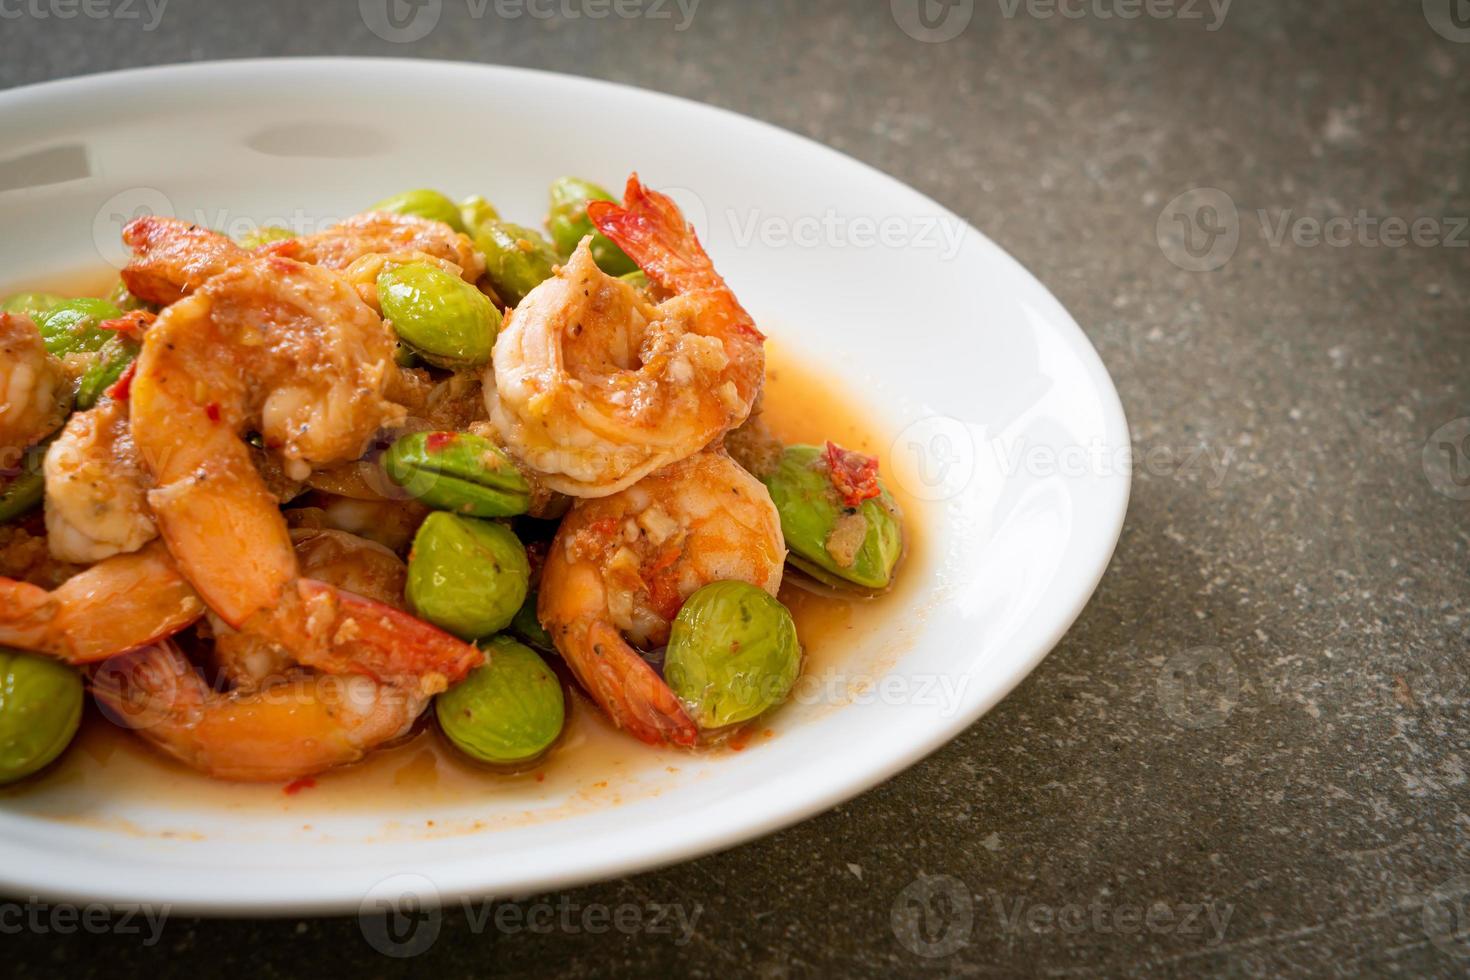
{"x": 653, "y": 232}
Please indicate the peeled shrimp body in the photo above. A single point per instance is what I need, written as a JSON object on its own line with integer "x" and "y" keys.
{"x": 96, "y": 503}
{"x": 290, "y": 351}
{"x": 621, "y": 566}
{"x": 32, "y": 388}
{"x": 594, "y": 387}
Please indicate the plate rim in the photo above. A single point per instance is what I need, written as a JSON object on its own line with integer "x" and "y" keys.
{"x": 453, "y": 883}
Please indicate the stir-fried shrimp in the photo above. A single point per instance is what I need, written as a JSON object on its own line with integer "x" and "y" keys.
{"x": 390, "y": 523}
{"x": 32, "y": 386}
{"x": 172, "y": 258}
{"x": 290, "y": 351}
{"x": 96, "y": 501}
{"x": 383, "y": 233}
{"x": 295, "y": 727}
{"x": 453, "y": 404}
{"x": 621, "y": 566}
{"x": 595, "y": 387}
{"x": 344, "y": 560}
{"x": 116, "y": 605}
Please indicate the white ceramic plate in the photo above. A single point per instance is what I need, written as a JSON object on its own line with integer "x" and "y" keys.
{"x": 1001, "y": 427}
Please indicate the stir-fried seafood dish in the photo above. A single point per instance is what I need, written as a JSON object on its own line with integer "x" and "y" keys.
{"x": 273, "y": 500}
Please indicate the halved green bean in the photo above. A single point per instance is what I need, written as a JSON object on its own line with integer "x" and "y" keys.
{"x": 423, "y": 204}
{"x": 517, "y": 258}
{"x": 466, "y": 575}
{"x": 732, "y": 654}
{"x": 569, "y": 224}
{"x": 508, "y": 711}
{"x": 40, "y": 709}
{"x": 109, "y": 363}
{"x": 459, "y": 472}
{"x": 31, "y": 304}
{"x": 829, "y": 540}
{"x": 447, "y": 321}
{"x": 71, "y": 327}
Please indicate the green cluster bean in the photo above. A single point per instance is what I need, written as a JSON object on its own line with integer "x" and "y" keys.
{"x": 26, "y": 490}
{"x": 423, "y": 204}
{"x": 733, "y": 653}
{"x": 264, "y": 235}
{"x": 459, "y": 472}
{"x": 834, "y": 543}
{"x": 569, "y": 224}
{"x": 40, "y": 709}
{"x": 517, "y": 258}
{"x": 111, "y": 360}
{"x": 466, "y": 575}
{"x": 445, "y": 320}
{"x": 71, "y": 326}
{"x": 120, "y": 297}
{"x": 509, "y": 711}
{"x": 527, "y": 626}
{"x": 31, "y": 304}
{"x": 475, "y": 211}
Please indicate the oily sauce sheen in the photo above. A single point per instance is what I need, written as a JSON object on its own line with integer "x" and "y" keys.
{"x": 592, "y": 765}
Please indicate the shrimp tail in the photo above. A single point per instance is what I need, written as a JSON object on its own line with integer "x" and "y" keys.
{"x": 630, "y": 691}
{"x": 119, "y": 604}
{"x": 361, "y": 636}
{"x": 301, "y": 726}
{"x": 652, "y": 230}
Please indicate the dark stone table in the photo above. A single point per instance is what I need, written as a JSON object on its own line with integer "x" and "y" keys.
{"x": 1250, "y": 754}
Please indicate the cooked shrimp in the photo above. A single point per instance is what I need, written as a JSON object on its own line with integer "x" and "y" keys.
{"x": 32, "y": 387}
{"x": 344, "y": 560}
{"x": 116, "y": 605}
{"x": 595, "y": 387}
{"x": 383, "y": 233}
{"x": 96, "y": 501}
{"x": 452, "y": 404}
{"x": 172, "y": 258}
{"x": 295, "y": 727}
{"x": 623, "y": 565}
{"x": 290, "y": 351}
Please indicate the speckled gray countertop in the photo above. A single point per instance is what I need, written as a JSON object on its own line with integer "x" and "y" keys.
{"x": 1291, "y": 550}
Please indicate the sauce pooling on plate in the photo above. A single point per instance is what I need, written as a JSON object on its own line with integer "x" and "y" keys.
{"x": 592, "y": 764}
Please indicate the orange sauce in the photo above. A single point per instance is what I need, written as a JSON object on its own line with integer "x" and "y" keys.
{"x": 592, "y": 765}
